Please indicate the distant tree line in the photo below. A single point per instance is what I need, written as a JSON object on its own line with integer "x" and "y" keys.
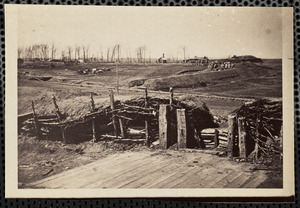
{"x": 45, "y": 52}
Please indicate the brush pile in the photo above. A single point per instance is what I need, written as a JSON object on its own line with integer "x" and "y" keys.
{"x": 264, "y": 125}
{"x": 78, "y": 119}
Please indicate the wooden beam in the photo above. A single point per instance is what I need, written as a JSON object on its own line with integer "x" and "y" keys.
{"x": 122, "y": 128}
{"x": 171, "y": 95}
{"x": 36, "y": 124}
{"x": 114, "y": 118}
{"x": 257, "y": 135}
{"x": 216, "y": 138}
{"x": 181, "y": 128}
{"x": 147, "y": 135}
{"x": 231, "y": 135}
{"x": 164, "y": 130}
{"x": 242, "y": 137}
{"x": 93, "y": 121}
{"x": 58, "y": 113}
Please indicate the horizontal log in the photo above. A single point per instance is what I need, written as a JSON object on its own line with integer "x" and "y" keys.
{"x": 136, "y": 112}
{"x": 124, "y": 117}
{"x": 47, "y": 116}
{"x": 25, "y": 116}
{"x": 138, "y": 107}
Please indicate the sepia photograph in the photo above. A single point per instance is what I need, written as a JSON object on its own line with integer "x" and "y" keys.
{"x": 149, "y": 101}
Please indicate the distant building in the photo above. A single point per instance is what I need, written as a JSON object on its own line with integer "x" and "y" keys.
{"x": 162, "y": 59}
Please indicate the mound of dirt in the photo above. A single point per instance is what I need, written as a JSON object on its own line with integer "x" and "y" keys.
{"x": 241, "y": 71}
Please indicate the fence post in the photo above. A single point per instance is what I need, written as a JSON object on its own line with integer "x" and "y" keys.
{"x": 58, "y": 113}
{"x": 59, "y": 116}
{"x": 123, "y": 131}
{"x": 146, "y": 120}
{"x": 242, "y": 138}
{"x": 257, "y": 135}
{"x": 181, "y": 128}
{"x": 114, "y": 118}
{"x": 93, "y": 121}
{"x": 231, "y": 135}
{"x": 36, "y": 124}
{"x": 281, "y": 142}
{"x": 164, "y": 130}
{"x": 216, "y": 138}
{"x": 171, "y": 95}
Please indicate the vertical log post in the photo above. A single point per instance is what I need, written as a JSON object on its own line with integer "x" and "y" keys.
{"x": 147, "y": 135}
{"x": 59, "y": 116}
{"x": 181, "y": 129}
{"x": 36, "y": 124}
{"x": 257, "y": 135}
{"x": 93, "y": 121}
{"x": 122, "y": 128}
{"x": 171, "y": 95}
{"x": 164, "y": 127}
{"x": 58, "y": 113}
{"x": 216, "y": 138}
{"x": 231, "y": 135}
{"x": 281, "y": 143}
{"x": 242, "y": 137}
{"x": 114, "y": 118}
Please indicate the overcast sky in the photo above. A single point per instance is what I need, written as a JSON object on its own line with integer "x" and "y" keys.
{"x": 212, "y": 32}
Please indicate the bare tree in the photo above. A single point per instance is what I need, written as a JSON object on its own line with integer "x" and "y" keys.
{"x": 63, "y": 56}
{"x": 44, "y": 50}
{"x": 102, "y": 58}
{"x": 107, "y": 55}
{"x": 184, "y": 49}
{"x": 139, "y": 55}
{"x": 77, "y": 52}
{"x": 70, "y": 50}
{"x": 29, "y": 52}
{"x": 113, "y": 53}
{"x": 20, "y": 52}
{"x": 53, "y": 51}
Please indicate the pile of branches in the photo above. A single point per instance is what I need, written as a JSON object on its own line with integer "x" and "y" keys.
{"x": 201, "y": 116}
{"x": 264, "y": 125}
{"x": 132, "y": 111}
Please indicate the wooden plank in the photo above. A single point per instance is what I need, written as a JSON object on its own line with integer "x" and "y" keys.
{"x": 164, "y": 129}
{"x": 120, "y": 180}
{"x": 242, "y": 138}
{"x": 223, "y": 182}
{"x": 216, "y": 138}
{"x": 181, "y": 128}
{"x": 102, "y": 177}
{"x": 189, "y": 172}
{"x": 86, "y": 168}
{"x": 231, "y": 135}
{"x": 239, "y": 180}
{"x": 255, "y": 180}
{"x": 183, "y": 167}
{"x": 152, "y": 174}
{"x": 207, "y": 173}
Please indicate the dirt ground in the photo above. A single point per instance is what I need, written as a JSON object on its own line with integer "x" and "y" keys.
{"x": 40, "y": 159}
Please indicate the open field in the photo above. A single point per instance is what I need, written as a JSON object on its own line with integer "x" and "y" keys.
{"x": 40, "y": 159}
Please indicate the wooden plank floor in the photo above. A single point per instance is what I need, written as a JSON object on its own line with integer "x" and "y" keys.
{"x": 157, "y": 169}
